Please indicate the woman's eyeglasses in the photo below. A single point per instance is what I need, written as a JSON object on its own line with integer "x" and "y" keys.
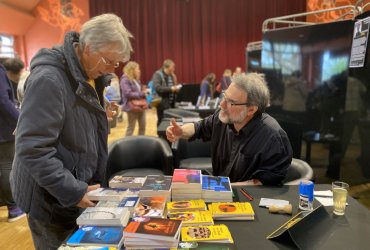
{"x": 108, "y": 63}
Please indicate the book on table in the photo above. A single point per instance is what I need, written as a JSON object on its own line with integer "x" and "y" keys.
{"x": 216, "y": 189}
{"x": 120, "y": 181}
{"x": 128, "y": 202}
{"x": 231, "y": 211}
{"x": 151, "y": 207}
{"x": 213, "y": 233}
{"x": 152, "y": 232}
{"x": 189, "y": 178}
{"x": 107, "y": 194}
{"x": 104, "y": 216}
{"x": 156, "y": 185}
{"x": 97, "y": 236}
{"x": 186, "y": 205}
{"x": 192, "y": 218}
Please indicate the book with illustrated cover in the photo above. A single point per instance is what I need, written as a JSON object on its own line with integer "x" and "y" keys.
{"x": 216, "y": 189}
{"x": 151, "y": 206}
{"x": 97, "y": 236}
{"x": 204, "y": 245}
{"x": 186, "y": 205}
{"x": 104, "y": 216}
{"x": 154, "y": 229}
{"x": 120, "y": 181}
{"x": 192, "y": 218}
{"x": 213, "y": 233}
{"x": 231, "y": 211}
{"x": 128, "y": 202}
{"x": 187, "y": 178}
{"x": 107, "y": 194}
{"x": 156, "y": 185}
{"x": 66, "y": 247}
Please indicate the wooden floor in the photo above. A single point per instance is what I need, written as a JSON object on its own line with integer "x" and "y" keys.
{"x": 16, "y": 235}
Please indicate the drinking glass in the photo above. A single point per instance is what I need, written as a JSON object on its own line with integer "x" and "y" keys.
{"x": 340, "y": 192}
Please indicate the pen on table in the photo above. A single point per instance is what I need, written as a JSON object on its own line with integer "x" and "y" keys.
{"x": 246, "y": 194}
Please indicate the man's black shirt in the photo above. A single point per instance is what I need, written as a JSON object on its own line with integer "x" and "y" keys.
{"x": 261, "y": 150}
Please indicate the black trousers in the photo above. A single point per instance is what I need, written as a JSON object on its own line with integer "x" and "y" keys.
{"x": 6, "y": 161}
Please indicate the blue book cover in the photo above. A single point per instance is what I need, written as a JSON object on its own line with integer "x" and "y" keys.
{"x": 216, "y": 183}
{"x": 97, "y": 235}
{"x": 128, "y": 202}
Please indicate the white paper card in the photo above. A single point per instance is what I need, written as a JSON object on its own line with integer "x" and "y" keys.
{"x": 265, "y": 202}
{"x": 327, "y": 193}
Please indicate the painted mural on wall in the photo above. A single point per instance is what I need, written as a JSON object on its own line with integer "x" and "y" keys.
{"x": 313, "y": 5}
{"x": 63, "y": 14}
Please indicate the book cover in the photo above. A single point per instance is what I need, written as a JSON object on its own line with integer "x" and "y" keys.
{"x": 104, "y": 216}
{"x": 213, "y": 233}
{"x": 120, "y": 181}
{"x": 154, "y": 228}
{"x": 157, "y": 183}
{"x": 97, "y": 235}
{"x": 231, "y": 208}
{"x": 115, "y": 194}
{"x": 188, "y": 205}
{"x": 128, "y": 202}
{"x": 206, "y": 246}
{"x": 192, "y": 217}
{"x": 186, "y": 176}
{"x": 216, "y": 183}
{"x": 151, "y": 206}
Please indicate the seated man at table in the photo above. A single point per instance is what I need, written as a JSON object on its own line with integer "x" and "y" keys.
{"x": 248, "y": 145}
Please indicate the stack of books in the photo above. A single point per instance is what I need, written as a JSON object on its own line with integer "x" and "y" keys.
{"x": 185, "y": 206}
{"x": 152, "y": 233}
{"x": 231, "y": 211}
{"x": 97, "y": 236}
{"x": 151, "y": 207}
{"x": 107, "y": 194}
{"x": 104, "y": 216}
{"x": 128, "y": 202}
{"x": 156, "y": 185}
{"x": 211, "y": 234}
{"x": 120, "y": 181}
{"x": 186, "y": 184}
{"x": 216, "y": 189}
{"x": 192, "y": 218}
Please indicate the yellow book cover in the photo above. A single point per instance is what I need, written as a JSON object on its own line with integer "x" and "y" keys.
{"x": 213, "y": 233}
{"x": 231, "y": 208}
{"x": 192, "y": 217}
{"x": 188, "y": 205}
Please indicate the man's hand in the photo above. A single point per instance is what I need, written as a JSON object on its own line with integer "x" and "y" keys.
{"x": 174, "y": 131}
{"x": 253, "y": 182}
{"x": 85, "y": 201}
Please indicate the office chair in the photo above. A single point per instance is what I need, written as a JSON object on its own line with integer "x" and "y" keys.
{"x": 297, "y": 171}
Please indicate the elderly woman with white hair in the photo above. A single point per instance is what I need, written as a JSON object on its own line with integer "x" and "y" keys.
{"x": 61, "y": 136}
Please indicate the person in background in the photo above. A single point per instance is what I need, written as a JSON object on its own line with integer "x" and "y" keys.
{"x": 62, "y": 131}
{"x": 238, "y": 71}
{"x": 14, "y": 67}
{"x": 8, "y": 121}
{"x": 207, "y": 88}
{"x": 248, "y": 145}
{"x": 22, "y": 86}
{"x": 132, "y": 89}
{"x": 226, "y": 79}
{"x": 165, "y": 84}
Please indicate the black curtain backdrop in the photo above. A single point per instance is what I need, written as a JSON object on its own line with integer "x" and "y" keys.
{"x": 200, "y": 36}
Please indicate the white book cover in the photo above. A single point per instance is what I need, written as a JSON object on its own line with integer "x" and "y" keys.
{"x": 107, "y": 194}
{"x": 104, "y": 216}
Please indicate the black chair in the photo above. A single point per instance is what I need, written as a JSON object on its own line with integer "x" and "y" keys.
{"x": 139, "y": 156}
{"x": 193, "y": 155}
{"x": 179, "y": 113}
{"x": 297, "y": 171}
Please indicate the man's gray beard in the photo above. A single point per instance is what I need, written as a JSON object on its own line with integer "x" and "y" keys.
{"x": 227, "y": 120}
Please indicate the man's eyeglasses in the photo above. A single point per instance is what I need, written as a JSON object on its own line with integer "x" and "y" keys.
{"x": 109, "y": 63}
{"x": 231, "y": 102}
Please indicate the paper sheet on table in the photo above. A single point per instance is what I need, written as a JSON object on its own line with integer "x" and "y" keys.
{"x": 326, "y": 201}
{"x": 327, "y": 193}
{"x": 265, "y": 202}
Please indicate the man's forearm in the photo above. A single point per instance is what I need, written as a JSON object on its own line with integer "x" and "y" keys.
{"x": 188, "y": 130}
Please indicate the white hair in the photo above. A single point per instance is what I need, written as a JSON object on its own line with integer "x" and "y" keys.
{"x": 104, "y": 30}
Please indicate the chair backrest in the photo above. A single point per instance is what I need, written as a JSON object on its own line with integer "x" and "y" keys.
{"x": 191, "y": 149}
{"x": 297, "y": 171}
{"x": 135, "y": 152}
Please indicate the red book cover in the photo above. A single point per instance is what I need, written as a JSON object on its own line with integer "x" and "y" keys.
{"x": 154, "y": 227}
{"x": 186, "y": 176}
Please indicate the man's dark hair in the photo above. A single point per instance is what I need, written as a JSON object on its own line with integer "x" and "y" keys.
{"x": 14, "y": 65}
